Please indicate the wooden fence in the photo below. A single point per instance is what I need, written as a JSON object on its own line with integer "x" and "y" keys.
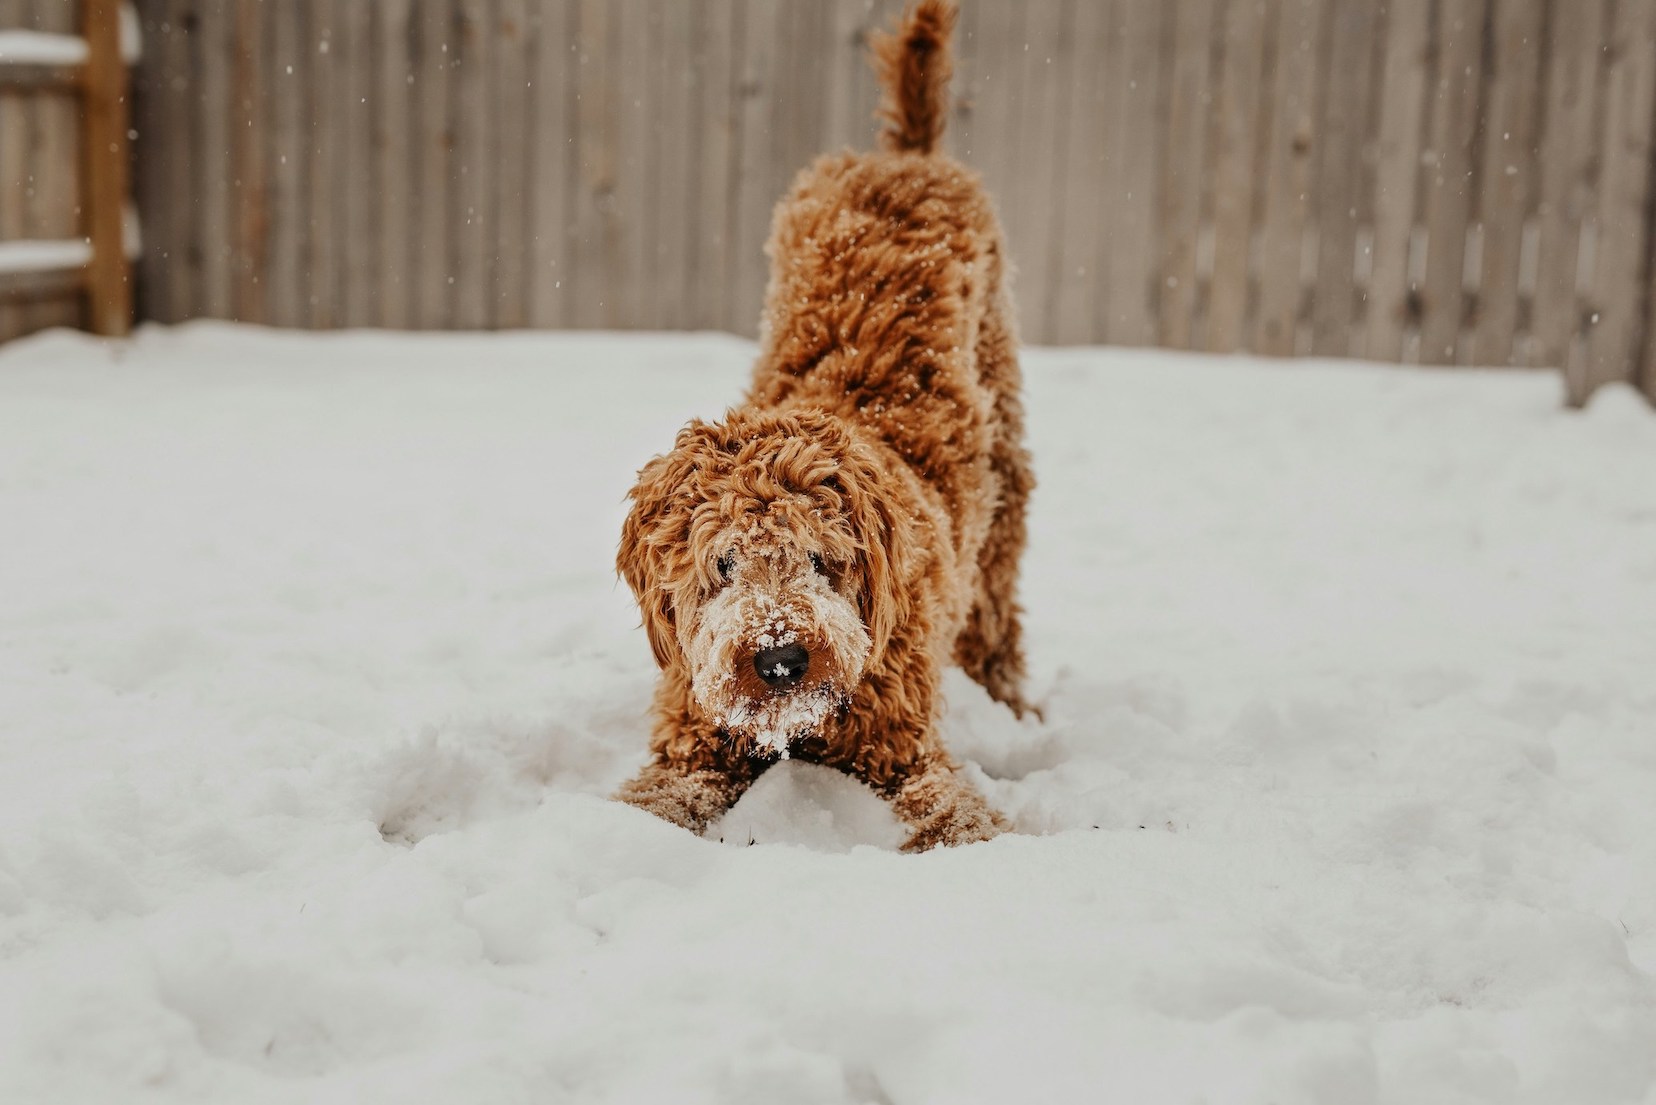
{"x": 1446, "y": 181}
{"x": 63, "y": 166}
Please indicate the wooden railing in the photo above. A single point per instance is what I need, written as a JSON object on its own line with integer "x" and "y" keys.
{"x": 64, "y": 167}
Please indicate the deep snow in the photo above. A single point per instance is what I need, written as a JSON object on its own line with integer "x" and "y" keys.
{"x": 314, "y": 674}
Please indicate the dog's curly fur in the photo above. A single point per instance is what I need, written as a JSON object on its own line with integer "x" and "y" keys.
{"x": 866, "y": 503}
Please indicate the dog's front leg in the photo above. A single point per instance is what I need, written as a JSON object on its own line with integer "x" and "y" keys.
{"x": 685, "y": 796}
{"x": 942, "y": 808}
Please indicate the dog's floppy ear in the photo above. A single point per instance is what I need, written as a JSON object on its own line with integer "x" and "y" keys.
{"x": 885, "y": 562}
{"x": 652, "y": 537}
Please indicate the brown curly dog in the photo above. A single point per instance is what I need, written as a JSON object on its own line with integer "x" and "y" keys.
{"x": 808, "y": 565}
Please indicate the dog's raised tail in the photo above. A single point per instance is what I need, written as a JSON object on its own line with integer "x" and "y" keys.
{"x": 914, "y": 65}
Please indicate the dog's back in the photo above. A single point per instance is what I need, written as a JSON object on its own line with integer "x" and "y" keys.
{"x": 887, "y": 303}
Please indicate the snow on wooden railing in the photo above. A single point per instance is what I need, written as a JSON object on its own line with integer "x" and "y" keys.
{"x": 92, "y": 65}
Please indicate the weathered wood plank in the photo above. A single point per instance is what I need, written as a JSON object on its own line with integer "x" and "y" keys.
{"x": 994, "y": 76}
{"x": 394, "y": 166}
{"x": 252, "y": 98}
{"x": 30, "y": 76}
{"x": 473, "y": 212}
{"x": 1405, "y": 77}
{"x": 1621, "y": 269}
{"x": 1568, "y": 151}
{"x": 1450, "y": 181}
{"x": 1184, "y": 169}
{"x": 14, "y": 144}
{"x": 351, "y": 53}
{"x": 552, "y": 131}
{"x": 321, "y": 270}
{"x": 109, "y": 279}
{"x": 510, "y": 89}
{"x": 1077, "y": 282}
{"x": 718, "y": 103}
{"x": 1290, "y": 167}
{"x": 629, "y": 277}
{"x": 433, "y": 154}
{"x": 1342, "y": 136}
{"x": 288, "y": 149}
{"x": 1512, "y": 105}
{"x": 211, "y": 45}
{"x": 751, "y": 195}
{"x": 595, "y": 233}
{"x": 1048, "y": 67}
{"x": 1239, "y": 114}
{"x": 19, "y": 290}
{"x": 677, "y": 185}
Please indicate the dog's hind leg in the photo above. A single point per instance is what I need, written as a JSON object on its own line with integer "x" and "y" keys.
{"x": 990, "y": 646}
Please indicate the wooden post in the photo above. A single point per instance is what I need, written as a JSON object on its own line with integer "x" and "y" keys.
{"x": 109, "y": 277}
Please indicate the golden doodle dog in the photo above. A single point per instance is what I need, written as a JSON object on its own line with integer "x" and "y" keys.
{"x": 808, "y": 565}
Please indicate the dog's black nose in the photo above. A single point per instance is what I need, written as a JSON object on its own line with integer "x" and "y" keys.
{"x": 782, "y": 667}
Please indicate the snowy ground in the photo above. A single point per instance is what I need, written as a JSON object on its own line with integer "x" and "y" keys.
{"x": 314, "y": 674}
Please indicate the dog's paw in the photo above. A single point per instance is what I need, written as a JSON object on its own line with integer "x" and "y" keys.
{"x": 690, "y": 799}
{"x": 955, "y": 826}
{"x": 945, "y": 810}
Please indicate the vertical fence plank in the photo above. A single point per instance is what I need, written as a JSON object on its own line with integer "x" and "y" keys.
{"x": 1512, "y": 106}
{"x": 595, "y": 232}
{"x": 750, "y": 195}
{"x": 1136, "y": 135}
{"x": 850, "y": 97}
{"x": 1289, "y": 172}
{"x": 151, "y": 159}
{"x": 351, "y": 55}
{"x": 106, "y": 114}
{"x": 393, "y": 165}
{"x": 212, "y": 44}
{"x": 677, "y": 186}
{"x": 321, "y": 269}
{"x": 249, "y": 130}
{"x": 552, "y": 129}
{"x": 797, "y": 119}
{"x": 1184, "y": 169}
{"x": 289, "y": 144}
{"x": 510, "y": 91}
{"x": 434, "y": 140}
{"x": 1078, "y": 286}
{"x": 995, "y": 73}
{"x": 14, "y": 155}
{"x": 1567, "y": 154}
{"x": 1405, "y": 76}
{"x": 629, "y": 280}
{"x": 1341, "y": 176}
{"x": 1450, "y": 178}
{"x": 717, "y": 112}
{"x": 1621, "y": 261}
{"x": 475, "y": 126}
{"x": 174, "y": 293}
{"x": 1047, "y": 65}
{"x": 1237, "y": 118}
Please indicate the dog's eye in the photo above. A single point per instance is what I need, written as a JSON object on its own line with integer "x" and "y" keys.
{"x": 727, "y": 564}
{"x": 816, "y": 565}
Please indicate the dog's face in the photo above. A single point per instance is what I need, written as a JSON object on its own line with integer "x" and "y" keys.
{"x": 765, "y": 556}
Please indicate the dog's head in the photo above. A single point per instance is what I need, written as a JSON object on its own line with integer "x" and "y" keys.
{"x": 767, "y": 554}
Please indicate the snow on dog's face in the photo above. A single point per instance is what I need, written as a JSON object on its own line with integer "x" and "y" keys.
{"x": 764, "y": 555}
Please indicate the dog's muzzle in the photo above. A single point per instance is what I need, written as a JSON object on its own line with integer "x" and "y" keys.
{"x": 783, "y": 667}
